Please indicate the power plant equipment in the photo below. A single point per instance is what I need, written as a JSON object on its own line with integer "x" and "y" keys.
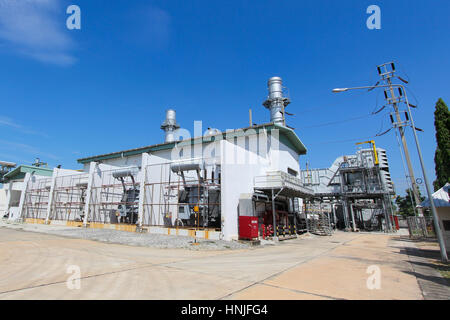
{"x": 127, "y": 210}
{"x": 198, "y": 197}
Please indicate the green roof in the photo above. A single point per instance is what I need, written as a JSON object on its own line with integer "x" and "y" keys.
{"x": 19, "y": 172}
{"x": 287, "y": 137}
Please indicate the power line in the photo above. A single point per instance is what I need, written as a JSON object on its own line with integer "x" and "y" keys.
{"x": 338, "y": 122}
{"x": 342, "y": 141}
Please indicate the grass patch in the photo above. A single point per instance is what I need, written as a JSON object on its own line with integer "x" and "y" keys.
{"x": 444, "y": 270}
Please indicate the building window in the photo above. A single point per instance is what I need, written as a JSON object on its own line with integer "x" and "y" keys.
{"x": 292, "y": 172}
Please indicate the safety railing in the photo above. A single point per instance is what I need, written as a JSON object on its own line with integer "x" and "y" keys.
{"x": 278, "y": 180}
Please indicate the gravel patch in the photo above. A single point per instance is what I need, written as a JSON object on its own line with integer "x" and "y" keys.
{"x": 130, "y": 238}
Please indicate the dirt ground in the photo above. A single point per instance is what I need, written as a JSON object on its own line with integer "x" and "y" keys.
{"x": 43, "y": 266}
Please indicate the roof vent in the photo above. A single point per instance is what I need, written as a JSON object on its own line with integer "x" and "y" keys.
{"x": 170, "y": 125}
{"x": 276, "y": 101}
{"x": 211, "y": 132}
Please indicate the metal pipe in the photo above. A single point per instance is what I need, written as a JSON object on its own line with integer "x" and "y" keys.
{"x": 124, "y": 173}
{"x": 275, "y": 101}
{"x": 170, "y": 125}
{"x": 7, "y": 164}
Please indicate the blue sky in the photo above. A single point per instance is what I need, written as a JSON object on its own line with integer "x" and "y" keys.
{"x": 67, "y": 94}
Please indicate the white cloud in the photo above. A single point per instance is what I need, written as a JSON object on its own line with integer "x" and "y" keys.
{"x": 17, "y": 146}
{"x": 33, "y": 28}
{"x": 8, "y": 122}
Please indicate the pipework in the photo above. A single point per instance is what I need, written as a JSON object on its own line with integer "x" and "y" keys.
{"x": 170, "y": 125}
{"x": 276, "y": 102}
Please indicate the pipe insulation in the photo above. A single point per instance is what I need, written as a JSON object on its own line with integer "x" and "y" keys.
{"x": 124, "y": 173}
{"x": 179, "y": 167}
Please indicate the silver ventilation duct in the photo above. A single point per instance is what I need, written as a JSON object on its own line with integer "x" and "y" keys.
{"x": 211, "y": 132}
{"x": 178, "y": 167}
{"x": 124, "y": 173}
{"x": 276, "y": 102}
{"x": 7, "y": 164}
{"x": 170, "y": 125}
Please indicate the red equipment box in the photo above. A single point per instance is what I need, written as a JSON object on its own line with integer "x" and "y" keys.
{"x": 248, "y": 228}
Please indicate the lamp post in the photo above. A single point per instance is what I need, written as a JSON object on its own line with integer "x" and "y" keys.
{"x": 427, "y": 184}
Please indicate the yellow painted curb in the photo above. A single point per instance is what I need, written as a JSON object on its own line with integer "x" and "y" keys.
{"x": 74, "y": 223}
{"x": 36, "y": 221}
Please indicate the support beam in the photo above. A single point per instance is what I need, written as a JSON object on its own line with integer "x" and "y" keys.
{"x": 306, "y": 218}
{"x": 26, "y": 181}
{"x": 334, "y": 215}
{"x": 386, "y": 216}
{"x": 353, "y": 218}
{"x": 92, "y": 167}
{"x": 50, "y": 196}
{"x": 345, "y": 213}
{"x": 144, "y": 163}
{"x": 275, "y": 233}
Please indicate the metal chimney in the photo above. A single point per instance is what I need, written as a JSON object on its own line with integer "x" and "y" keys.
{"x": 170, "y": 125}
{"x": 276, "y": 102}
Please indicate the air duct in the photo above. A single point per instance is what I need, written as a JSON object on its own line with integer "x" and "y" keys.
{"x": 170, "y": 125}
{"x": 276, "y": 102}
{"x": 124, "y": 173}
{"x": 179, "y": 167}
{"x": 211, "y": 132}
{"x": 7, "y": 164}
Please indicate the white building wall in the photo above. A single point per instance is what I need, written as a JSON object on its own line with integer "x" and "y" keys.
{"x": 238, "y": 177}
{"x": 2, "y": 202}
{"x": 14, "y": 191}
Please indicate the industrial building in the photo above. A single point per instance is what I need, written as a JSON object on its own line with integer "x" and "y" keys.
{"x": 201, "y": 186}
{"x": 357, "y": 189}
{"x": 243, "y": 183}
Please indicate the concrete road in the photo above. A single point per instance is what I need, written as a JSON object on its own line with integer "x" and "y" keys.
{"x": 35, "y": 266}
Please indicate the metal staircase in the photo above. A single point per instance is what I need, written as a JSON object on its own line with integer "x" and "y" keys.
{"x": 320, "y": 224}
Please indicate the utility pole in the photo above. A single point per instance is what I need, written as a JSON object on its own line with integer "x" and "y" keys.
{"x": 386, "y": 72}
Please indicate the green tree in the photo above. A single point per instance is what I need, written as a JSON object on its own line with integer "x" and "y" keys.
{"x": 405, "y": 204}
{"x": 442, "y": 155}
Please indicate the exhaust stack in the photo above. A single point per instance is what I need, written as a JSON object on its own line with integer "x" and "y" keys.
{"x": 276, "y": 102}
{"x": 170, "y": 125}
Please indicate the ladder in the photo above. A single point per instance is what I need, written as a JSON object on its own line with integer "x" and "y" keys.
{"x": 321, "y": 226}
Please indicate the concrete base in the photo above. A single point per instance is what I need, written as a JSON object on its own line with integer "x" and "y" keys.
{"x": 255, "y": 242}
{"x": 201, "y": 234}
